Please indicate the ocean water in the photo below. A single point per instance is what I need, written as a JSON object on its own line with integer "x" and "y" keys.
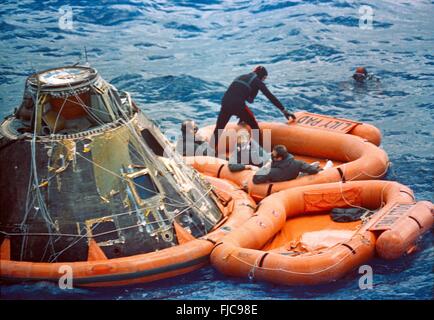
{"x": 177, "y": 58}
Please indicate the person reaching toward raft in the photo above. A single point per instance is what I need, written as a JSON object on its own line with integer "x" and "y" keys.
{"x": 242, "y": 89}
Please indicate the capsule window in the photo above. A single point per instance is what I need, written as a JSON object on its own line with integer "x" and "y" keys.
{"x": 103, "y": 231}
{"x": 145, "y": 186}
{"x": 153, "y": 143}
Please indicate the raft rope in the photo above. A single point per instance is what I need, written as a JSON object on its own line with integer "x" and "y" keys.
{"x": 42, "y": 208}
{"x": 382, "y": 203}
{"x": 255, "y": 266}
{"x": 362, "y": 172}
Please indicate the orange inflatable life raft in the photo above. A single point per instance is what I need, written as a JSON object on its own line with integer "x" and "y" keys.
{"x": 292, "y": 239}
{"x": 189, "y": 255}
{"x": 322, "y": 122}
{"x": 354, "y": 157}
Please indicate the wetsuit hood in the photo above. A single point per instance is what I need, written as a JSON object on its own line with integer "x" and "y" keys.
{"x": 261, "y": 72}
{"x": 360, "y": 75}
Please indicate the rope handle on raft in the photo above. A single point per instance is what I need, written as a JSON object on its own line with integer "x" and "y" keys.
{"x": 255, "y": 266}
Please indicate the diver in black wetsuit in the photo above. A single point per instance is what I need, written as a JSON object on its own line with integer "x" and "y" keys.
{"x": 361, "y": 75}
{"x": 242, "y": 89}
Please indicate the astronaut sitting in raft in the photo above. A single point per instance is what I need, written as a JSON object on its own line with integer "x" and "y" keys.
{"x": 283, "y": 167}
{"x": 248, "y": 154}
{"x": 190, "y": 143}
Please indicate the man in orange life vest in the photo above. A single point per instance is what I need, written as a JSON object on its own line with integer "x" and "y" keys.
{"x": 242, "y": 89}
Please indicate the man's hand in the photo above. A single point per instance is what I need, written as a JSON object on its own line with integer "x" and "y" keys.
{"x": 267, "y": 164}
{"x": 316, "y": 165}
{"x": 253, "y": 168}
{"x": 288, "y": 115}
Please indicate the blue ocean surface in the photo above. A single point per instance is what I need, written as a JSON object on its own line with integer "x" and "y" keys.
{"x": 177, "y": 57}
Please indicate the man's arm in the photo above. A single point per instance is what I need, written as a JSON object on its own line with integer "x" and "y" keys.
{"x": 233, "y": 164}
{"x": 267, "y": 174}
{"x": 235, "y": 167}
{"x": 274, "y": 100}
{"x": 202, "y": 148}
{"x": 259, "y": 157}
{"x": 260, "y": 177}
{"x": 269, "y": 95}
{"x": 180, "y": 146}
{"x": 305, "y": 167}
{"x": 252, "y": 95}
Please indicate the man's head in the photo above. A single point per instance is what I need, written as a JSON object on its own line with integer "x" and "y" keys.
{"x": 261, "y": 72}
{"x": 279, "y": 152}
{"x": 243, "y": 133}
{"x": 189, "y": 127}
{"x": 243, "y": 136}
{"x": 360, "y": 74}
